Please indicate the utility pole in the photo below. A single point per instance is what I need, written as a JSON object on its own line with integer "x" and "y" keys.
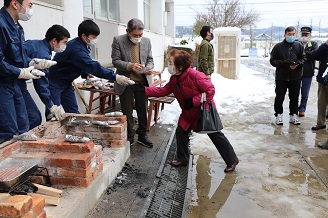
{"x": 319, "y": 29}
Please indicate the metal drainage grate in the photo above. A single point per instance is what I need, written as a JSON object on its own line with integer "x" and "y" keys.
{"x": 168, "y": 196}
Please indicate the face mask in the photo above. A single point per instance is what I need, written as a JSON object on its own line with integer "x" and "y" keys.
{"x": 304, "y": 39}
{"x": 170, "y": 69}
{"x": 93, "y": 41}
{"x": 136, "y": 40}
{"x": 212, "y": 35}
{"x": 61, "y": 49}
{"x": 290, "y": 39}
{"x": 28, "y": 14}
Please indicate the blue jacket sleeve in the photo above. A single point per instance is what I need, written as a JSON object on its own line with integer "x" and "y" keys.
{"x": 83, "y": 60}
{"x": 6, "y": 69}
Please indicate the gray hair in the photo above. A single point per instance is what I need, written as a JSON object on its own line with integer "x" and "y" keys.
{"x": 135, "y": 24}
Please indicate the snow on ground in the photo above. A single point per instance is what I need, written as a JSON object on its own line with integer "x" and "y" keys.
{"x": 231, "y": 97}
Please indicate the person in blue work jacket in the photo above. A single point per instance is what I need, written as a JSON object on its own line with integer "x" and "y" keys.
{"x": 55, "y": 40}
{"x": 14, "y": 65}
{"x": 75, "y": 61}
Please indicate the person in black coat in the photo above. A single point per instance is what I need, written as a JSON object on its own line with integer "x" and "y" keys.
{"x": 321, "y": 54}
{"x": 308, "y": 68}
{"x": 287, "y": 57}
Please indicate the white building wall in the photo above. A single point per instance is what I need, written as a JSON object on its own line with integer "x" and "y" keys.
{"x": 71, "y": 15}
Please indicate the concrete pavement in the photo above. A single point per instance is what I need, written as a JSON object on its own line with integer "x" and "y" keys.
{"x": 282, "y": 172}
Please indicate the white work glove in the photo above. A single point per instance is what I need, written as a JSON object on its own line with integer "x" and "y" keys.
{"x": 41, "y": 63}
{"x": 37, "y": 73}
{"x": 26, "y": 73}
{"x": 124, "y": 81}
{"x": 58, "y": 112}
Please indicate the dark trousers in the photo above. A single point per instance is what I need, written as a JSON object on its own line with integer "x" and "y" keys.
{"x": 130, "y": 98}
{"x": 33, "y": 112}
{"x": 219, "y": 140}
{"x": 63, "y": 93}
{"x": 293, "y": 93}
{"x": 13, "y": 114}
{"x": 305, "y": 89}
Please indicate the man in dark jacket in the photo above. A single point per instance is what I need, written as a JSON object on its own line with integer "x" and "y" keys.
{"x": 287, "y": 57}
{"x": 308, "y": 68}
{"x": 321, "y": 54}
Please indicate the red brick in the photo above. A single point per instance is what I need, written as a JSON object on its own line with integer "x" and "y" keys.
{"x": 39, "y": 145}
{"x": 47, "y": 128}
{"x": 117, "y": 128}
{"x": 67, "y": 147}
{"x": 74, "y": 172}
{"x": 42, "y": 215}
{"x": 38, "y": 204}
{"x": 29, "y": 214}
{"x": 60, "y": 145}
{"x": 98, "y": 149}
{"x": 87, "y": 147}
{"x": 10, "y": 149}
{"x": 95, "y": 173}
{"x": 68, "y": 181}
{"x": 86, "y": 182}
{"x": 114, "y": 143}
{"x": 4, "y": 196}
{"x": 108, "y": 136}
{"x": 60, "y": 160}
{"x": 99, "y": 159}
{"x": 100, "y": 167}
{"x": 16, "y": 206}
{"x": 82, "y": 160}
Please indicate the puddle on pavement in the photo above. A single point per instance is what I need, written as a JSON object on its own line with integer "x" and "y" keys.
{"x": 215, "y": 195}
{"x": 266, "y": 129}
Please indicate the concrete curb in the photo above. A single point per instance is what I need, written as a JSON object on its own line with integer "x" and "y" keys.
{"x": 76, "y": 202}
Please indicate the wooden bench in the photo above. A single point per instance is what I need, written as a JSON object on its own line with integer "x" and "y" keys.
{"x": 155, "y": 105}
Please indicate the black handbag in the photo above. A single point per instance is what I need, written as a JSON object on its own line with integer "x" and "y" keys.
{"x": 208, "y": 119}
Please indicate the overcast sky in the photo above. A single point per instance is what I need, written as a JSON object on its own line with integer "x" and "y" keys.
{"x": 272, "y": 12}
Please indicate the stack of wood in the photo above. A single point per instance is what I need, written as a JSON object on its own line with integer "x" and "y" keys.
{"x": 51, "y": 195}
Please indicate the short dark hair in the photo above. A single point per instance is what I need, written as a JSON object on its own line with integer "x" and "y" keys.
{"x": 182, "y": 59}
{"x": 7, "y": 2}
{"x": 88, "y": 27}
{"x": 204, "y": 30}
{"x": 58, "y": 32}
{"x": 135, "y": 24}
{"x": 290, "y": 29}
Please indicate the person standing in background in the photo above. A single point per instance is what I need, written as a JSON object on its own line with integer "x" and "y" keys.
{"x": 287, "y": 57}
{"x": 206, "y": 52}
{"x": 321, "y": 55}
{"x": 55, "y": 40}
{"x": 308, "y": 68}
{"x": 132, "y": 57}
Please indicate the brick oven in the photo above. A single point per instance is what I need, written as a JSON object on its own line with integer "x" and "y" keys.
{"x": 70, "y": 163}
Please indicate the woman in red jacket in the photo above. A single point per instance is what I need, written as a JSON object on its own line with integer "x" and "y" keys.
{"x": 188, "y": 85}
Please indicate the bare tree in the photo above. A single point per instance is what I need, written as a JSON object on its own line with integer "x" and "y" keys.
{"x": 223, "y": 13}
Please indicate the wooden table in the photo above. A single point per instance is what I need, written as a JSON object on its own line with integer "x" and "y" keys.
{"x": 103, "y": 94}
{"x": 155, "y": 105}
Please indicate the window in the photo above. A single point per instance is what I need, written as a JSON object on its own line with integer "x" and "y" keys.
{"x": 101, "y": 8}
{"x": 59, "y": 3}
{"x": 146, "y": 5}
{"x": 114, "y": 10}
{"x": 87, "y": 7}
